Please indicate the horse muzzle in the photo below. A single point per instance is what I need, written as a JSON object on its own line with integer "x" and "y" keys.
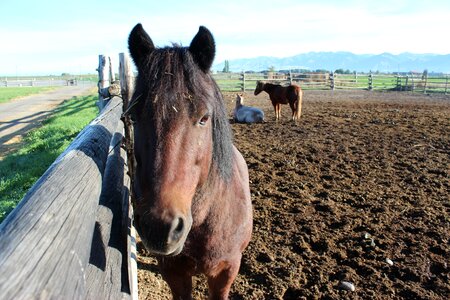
{"x": 164, "y": 237}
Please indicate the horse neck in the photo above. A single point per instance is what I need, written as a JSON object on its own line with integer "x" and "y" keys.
{"x": 238, "y": 103}
{"x": 269, "y": 87}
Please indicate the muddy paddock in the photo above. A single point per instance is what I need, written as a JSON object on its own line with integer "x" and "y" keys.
{"x": 357, "y": 191}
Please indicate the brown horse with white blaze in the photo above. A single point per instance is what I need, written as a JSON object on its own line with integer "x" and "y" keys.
{"x": 192, "y": 207}
{"x": 278, "y": 94}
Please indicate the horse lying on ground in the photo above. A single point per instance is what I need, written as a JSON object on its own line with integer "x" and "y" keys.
{"x": 191, "y": 185}
{"x": 278, "y": 94}
{"x": 246, "y": 114}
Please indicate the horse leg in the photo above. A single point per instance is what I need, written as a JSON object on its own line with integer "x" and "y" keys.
{"x": 275, "y": 110}
{"x": 219, "y": 284}
{"x": 299, "y": 104}
{"x": 292, "y": 105}
{"x": 178, "y": 277}
{"x": 278, "y": 111}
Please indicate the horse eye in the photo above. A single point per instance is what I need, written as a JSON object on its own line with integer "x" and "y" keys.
{"x": 203, "y": 120}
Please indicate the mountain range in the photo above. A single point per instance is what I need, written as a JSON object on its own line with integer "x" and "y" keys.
{"x": 385, "y": 62}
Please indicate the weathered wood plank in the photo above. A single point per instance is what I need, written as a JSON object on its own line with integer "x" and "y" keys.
{"x": 127, "y": 89}
{"x": 107, "y": 272}
{"x": 132, "y": 251}
{"x": 44, "y": 249}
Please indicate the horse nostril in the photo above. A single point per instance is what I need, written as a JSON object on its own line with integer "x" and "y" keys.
{"x": 180, "y": 225}
{"x": 178, "y": 228}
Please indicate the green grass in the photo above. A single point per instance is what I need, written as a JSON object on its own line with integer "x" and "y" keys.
{"x": 20, "y": 170}
{"x": 9, "y": 93}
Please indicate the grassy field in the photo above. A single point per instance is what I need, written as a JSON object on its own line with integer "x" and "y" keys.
{"x": 9, "y": 93}
{"x": 20, "y": 170}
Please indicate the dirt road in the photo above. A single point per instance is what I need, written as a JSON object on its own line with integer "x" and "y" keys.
{"x": 19, "y": 116}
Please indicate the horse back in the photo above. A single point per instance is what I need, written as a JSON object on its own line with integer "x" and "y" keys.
{"x": 292, "y": 92}
{"x": 248, "y": 114}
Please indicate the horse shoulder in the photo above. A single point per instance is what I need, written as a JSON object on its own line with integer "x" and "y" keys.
{"x": 241, "y": 177}
{"x": 227, "y": 225}
{"x": 242, "y": 194}
{"x": 243, "y": 201}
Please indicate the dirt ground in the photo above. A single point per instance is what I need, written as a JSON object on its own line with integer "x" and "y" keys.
{"x": 357, "y": 191}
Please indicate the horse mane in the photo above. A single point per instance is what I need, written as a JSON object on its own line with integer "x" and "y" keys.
{"x": 170, "y": 82}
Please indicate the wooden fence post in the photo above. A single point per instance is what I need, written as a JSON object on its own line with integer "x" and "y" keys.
{"x": 112, "y": 76}
{"x": 446, "y": 84}
{"x": 103, "y": 80}
{"x": 399, "y": 83}
{"x": 370, "y": 81}
{"x": 425, "y": 84}
{"x": 290, "y": 77}
{"x": 243, "y": 81}
{"x": 126, "y": 77}
{"x": 332, "y": 80}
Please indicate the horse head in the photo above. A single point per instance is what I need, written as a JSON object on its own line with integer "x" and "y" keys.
{"x": 259, "y": 87}
{"x": 175, "y": 110}
{"x": 239, "y": 100}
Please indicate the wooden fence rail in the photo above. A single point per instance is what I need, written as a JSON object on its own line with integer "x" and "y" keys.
{"x": 71, "y": 236}
{"x": 331, "y": 81}
{"x": 42, "y": 82}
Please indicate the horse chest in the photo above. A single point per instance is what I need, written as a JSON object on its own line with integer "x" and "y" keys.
{"x": 279, "y": 100}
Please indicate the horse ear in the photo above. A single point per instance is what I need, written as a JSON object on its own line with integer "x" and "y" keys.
{"x": 203, "y": 49}
{"x": 140, "y": 44}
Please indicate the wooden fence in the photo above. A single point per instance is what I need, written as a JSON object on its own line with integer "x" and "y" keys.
{"x": 22, "y": 82}
{"x": 71, "y": 236}
{"x": 330, "y": 81}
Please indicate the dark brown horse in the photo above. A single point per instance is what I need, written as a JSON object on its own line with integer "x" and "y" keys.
{"x": 278, "y": 94}
{"x": 193, "y": 207}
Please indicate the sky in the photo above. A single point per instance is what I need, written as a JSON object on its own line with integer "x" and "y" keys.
{"x": 53, "y": 37}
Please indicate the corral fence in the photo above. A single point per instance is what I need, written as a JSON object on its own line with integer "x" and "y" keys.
{"x": 71, "y": 236}
{"x": 44, "y": 81}
{"x": 332, "y": 81}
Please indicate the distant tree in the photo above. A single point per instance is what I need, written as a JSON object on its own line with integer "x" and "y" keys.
{"x": 339, "y": 71}
{"x": 226, "y": 67}
{"x": 271, "y": 69}
{"x": 424, "y": 74}
{"x": 65, "y": 74}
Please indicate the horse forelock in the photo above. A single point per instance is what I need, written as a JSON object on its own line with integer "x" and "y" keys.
{"x": 171, "y": 84}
